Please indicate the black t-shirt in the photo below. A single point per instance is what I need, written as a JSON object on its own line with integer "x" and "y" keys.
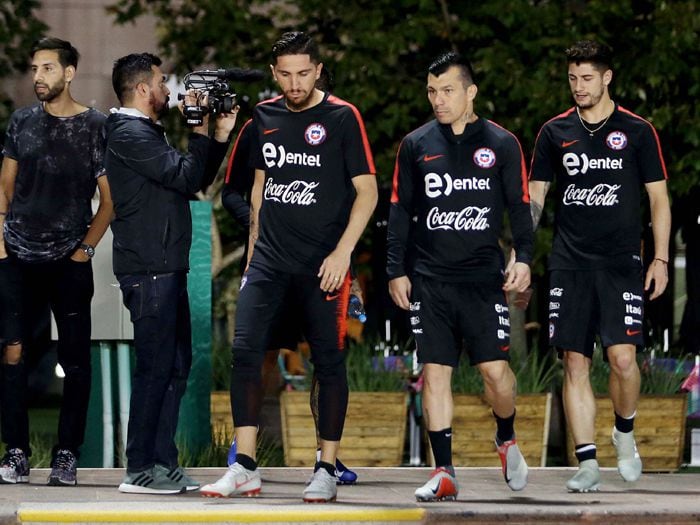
{"x": 58, "y": 162}
{"x": 458, "y": 188}
{"x": 309, "y": 158}
{"x": 598, "y": 178}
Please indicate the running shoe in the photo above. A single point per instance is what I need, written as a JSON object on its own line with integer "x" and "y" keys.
{"x": 144, "y": 482}
{"x": 441, "y": 486}
{"x": 629, "y": 464}
{"x": 586, "y": 479}
{"x": 322, "y": 488}
{"x": 238, "y": 481}
{"x": 513, "y": 464}
{"x": 344, "y": 474}
{"x": 64, "y": 469}
{"x": 176, "y": 475}
{"x": 14, "y": 467}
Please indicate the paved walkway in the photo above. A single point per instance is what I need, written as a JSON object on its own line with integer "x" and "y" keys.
{"x": 382, "y": 496}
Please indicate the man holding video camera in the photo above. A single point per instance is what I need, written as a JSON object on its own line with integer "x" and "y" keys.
{"x": 151, "y": 184}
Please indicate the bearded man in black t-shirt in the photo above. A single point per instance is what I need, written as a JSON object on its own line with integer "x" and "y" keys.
{"x": 313, "y": 194}
{"x": 600, "y": 154}
{"x": 52, "y": 166}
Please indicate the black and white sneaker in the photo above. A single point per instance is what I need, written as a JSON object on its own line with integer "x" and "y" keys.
{"x": 145, "y": 482}
{"x": 14, "y": 467}
{"x": 64, "y": 469}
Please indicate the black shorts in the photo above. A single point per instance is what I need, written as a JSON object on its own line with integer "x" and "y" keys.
{"x": 608, "y": 303}
{"x": 444, "y": 315}
{"x": 11, "y": 303}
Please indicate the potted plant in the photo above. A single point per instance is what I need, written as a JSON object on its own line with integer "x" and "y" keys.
{"x": 375, "y": 425}
{"x": 474, "y": 426}
{"x": 659, "y": 427}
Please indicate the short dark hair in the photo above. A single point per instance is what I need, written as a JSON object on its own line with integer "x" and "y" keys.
{"x": 295, "y": 43}
{"x": 449, "y": 59}
{"x": 590, "y": 51}
{"x": 131, "y": 69}
{"x": 67, "y": 54}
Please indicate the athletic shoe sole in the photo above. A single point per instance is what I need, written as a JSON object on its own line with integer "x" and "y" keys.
{"x": 56, "y": 482}
{"x": 210, "y": 494}
{"x": 138, "y": 489}
{"x": 319, "y": 500}
{"x": 594, "y": 488}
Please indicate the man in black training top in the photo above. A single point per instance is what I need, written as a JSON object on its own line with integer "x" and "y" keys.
{"x": 53, "y": 163}
{"x": 600, "y": 154}
{"x": 314, "y": 192}
{"x": 152, "y": 184}
{"x": 458, "y": 174}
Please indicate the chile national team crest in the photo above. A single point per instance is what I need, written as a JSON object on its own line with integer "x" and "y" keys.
{"x": 616, "y": 140}
{"x": 484, "y": 158}
{"x": 315, "y": 134}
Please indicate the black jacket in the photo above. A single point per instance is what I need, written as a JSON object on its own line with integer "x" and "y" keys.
{"x": 151, "y": 185}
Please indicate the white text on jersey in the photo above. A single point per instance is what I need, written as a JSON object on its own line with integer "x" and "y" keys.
{"x": 469, "y": 218}
{"x": 572, "y": 162}
{"x": 434, "y": 184}
{"x": 297, "y": 192}
{"x": 278, "y": 156}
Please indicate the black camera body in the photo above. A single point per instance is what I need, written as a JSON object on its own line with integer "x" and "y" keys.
{"x": 214, "y": 86}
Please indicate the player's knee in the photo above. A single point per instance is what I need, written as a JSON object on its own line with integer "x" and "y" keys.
{"x": 496, "y": 373}
{"x": 576, "y": 366}
{"x": 12, "y": 353}
{"x": 622, "y": 363}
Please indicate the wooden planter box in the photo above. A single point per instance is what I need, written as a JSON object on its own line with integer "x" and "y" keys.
{"x": 659, "y": 430}
{"x": 374, "y": 433}
{"x": 221, "y": 423}
{"x": 474, "y": 430}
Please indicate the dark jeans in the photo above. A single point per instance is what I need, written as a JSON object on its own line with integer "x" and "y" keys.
{"x": 160, "y": 312}
{"x": 68, "y": 288}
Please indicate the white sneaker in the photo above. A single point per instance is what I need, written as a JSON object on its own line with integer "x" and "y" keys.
{"x": 238, "y": 481}
{"x": 629, "y": 464}
{"x": 513, "y": 464}
{"x": 322, "y": 488}
{"x": 586, "y": 479}
{"x": 442, "y": 486}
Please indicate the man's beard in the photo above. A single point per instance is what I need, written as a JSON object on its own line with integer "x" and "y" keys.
{"x": 52, "y": 92}
{"x": 160, "y": 109}
{"x": 594, "y": 99}
{"x": 298, "y": 106}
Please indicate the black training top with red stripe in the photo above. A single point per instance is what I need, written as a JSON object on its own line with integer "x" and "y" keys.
{"x": 309, "y": 158}
{"x": 457, "y": 189}
{"x": 598, "y": 179}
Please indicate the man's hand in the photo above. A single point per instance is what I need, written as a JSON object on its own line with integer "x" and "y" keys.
{"x": 225, "y": 122}
{"x": 79, "y": 255}
{"x": 517, "y": 277}
{"x": 3, "y": 252}
{"x": 192, "y": 99}
{"x": 658, "y": 273}
{"x": 333, "y": 270}
{"x": 400, "y": 291}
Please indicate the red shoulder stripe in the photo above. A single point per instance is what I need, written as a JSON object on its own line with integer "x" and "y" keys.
{"x": 395, "y": 182}
{"x": 523, "y": 171}
{"x": 365, "y": 141}
{"x": 233, "y": 151}
{"x": 270, "y": 100}
{"x": 656, "y": 137}
{"x": 561, "y": 115}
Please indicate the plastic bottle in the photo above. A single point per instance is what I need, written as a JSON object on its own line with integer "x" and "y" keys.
{"x": 356, "y": 309}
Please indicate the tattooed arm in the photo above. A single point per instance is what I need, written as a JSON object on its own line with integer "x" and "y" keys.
{"x": 538, "y": 191}
{"x": 255, "y": 203}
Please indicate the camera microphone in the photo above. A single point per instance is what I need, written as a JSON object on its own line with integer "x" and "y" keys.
{"x": 240, "y": 74}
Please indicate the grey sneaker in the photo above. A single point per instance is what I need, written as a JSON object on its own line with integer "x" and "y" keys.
{"x": 145, "y": 482}
{"x": 586, "y": 479}
{"x": 63, "y": 469}
{"x": 238, "y": 481}
{"x": 322, "y": 488}
{"x": 629, "y": 464}
{"x": 14, "y": 467}
{"x": 513, "y": 464}
{"x": 176, "y": 475}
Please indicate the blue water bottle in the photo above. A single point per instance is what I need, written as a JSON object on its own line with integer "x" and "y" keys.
{"x": 356, "y": 309}
{"x": 232, "y": 453}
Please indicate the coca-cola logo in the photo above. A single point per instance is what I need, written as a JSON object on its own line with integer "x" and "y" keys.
{"x": 469, "y": 218}
{"x": 598, "y": 195}
{"x": 298, "y": 192}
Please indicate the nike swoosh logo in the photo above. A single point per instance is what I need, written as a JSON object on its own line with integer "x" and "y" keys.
{"x": 428, "y": 158}
{"x": 505, "y": 348}
{"x": 332, "y": 297}
{"x": 633, "y": 332}
{"x": 268, "y": 131}
{"x": 239, "y": 485}
{"x": 565, "y": 144}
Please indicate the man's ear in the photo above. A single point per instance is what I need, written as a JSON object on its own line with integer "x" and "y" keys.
{"x": 69, "y": 73}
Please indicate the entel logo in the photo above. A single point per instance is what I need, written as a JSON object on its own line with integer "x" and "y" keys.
{"x": 572, "y": 162}
{"x": 556, "y": 292}
{"x": 434, "y": 184}
{"x": 277, "y": 155}
{"x": 629, "y": 296}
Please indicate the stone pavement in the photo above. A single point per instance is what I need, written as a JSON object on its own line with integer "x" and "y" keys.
{"x": 384, "y": 495}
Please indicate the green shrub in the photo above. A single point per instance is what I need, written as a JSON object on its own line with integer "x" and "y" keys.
{"x": 367, "y": 373}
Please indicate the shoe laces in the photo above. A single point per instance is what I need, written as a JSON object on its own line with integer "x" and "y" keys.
{"x": 13, "y": 457}
{"x": 64, "y": 460}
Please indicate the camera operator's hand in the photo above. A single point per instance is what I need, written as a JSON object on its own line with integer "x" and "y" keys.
{"x": 225, "y": 123}
{"x": 192, "y": 98}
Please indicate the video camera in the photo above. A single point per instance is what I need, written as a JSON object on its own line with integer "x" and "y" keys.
{"x": 214, "y": 85}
